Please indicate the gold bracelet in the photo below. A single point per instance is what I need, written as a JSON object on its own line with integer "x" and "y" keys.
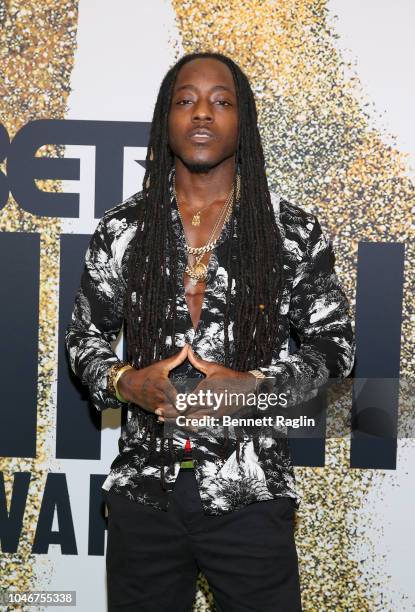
{"x": 113, "y": 376}
{"x": 116, "y": 379}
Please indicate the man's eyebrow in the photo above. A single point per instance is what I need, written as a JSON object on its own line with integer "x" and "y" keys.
{"x": 214, "y": 88}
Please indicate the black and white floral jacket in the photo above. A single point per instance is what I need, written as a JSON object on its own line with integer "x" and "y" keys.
{"x": 313, "y": 303}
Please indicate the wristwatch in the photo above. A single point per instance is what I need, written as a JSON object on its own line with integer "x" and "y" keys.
{"x": 114, "y": 374}
{"x": 264, "y": 383}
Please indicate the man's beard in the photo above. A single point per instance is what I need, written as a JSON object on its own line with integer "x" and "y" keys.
{"x": 199, "y": 167}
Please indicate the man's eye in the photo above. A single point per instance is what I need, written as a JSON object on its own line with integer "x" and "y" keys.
{"x": 183, "y": 101}
{"x": 223, "y": 102}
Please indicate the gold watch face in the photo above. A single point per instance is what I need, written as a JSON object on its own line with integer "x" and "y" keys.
{"x": 266, "y": 385}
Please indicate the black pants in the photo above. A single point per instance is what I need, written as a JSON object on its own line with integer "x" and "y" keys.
{"x": 153, "y": 557}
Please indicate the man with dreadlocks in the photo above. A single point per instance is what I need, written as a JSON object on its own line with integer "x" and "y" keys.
{"x": 207, "y": 272}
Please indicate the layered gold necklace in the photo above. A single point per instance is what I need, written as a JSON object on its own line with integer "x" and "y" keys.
{"x": 198, "y": 270}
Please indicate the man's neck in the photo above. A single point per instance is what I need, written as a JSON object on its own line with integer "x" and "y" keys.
{"x": 198, "y": 190}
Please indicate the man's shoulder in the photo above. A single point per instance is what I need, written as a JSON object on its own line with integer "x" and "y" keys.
{"x": 287, "y": 212}
{"x": 295, "y": 220}
{"x": 125, "y": 210}
{"x": 120, "y": 222}
{"x": 292, "y": 217}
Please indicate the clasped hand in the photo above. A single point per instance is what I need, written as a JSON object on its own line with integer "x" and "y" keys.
{"x": 152, "y": 389}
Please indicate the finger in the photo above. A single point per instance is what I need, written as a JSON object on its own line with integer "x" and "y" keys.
{"x": 168, "y": 391}
{"x": 177, "y": 359}
{"x": 200, "y": 364}
{"x": 210, "y": 383}
{"x": 201, "y": 387}
{"x": 164, "y": 410}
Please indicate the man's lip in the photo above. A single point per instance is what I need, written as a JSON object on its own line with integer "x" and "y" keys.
{"x": 201, "y": 137}
{"x": 201, "y": 134}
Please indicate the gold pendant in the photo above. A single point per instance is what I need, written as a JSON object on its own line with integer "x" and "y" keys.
{"x": 200, "y": 270}
{"x": 196, "y": 219}
{"x": 197, "y": 273}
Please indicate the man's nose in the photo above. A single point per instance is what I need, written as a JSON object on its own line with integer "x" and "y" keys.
{"x": 202, "y": 111}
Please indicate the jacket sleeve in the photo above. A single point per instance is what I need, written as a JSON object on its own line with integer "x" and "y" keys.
{"x": 97, "y": 319}
{"x": 319, "y": 313}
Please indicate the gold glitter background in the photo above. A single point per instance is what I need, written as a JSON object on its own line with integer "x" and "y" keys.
{"x": 37, "y": 43}
{"x": 322, "y": 153}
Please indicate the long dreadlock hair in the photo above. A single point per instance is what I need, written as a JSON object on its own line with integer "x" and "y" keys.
{"x": 253, "y": 253}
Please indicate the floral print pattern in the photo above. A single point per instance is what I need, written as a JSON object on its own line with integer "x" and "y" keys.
{"x": 313, "y": 303}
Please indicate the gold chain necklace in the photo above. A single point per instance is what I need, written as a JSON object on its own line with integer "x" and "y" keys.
{"x": 198, "y": 270}
{"x": 196, "y": 216}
